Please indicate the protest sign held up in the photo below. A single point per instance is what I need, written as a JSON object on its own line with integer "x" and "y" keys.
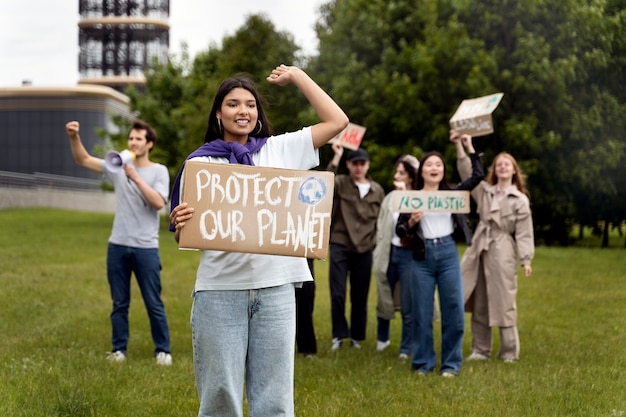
{"x": 241, "y": 208}
{"x": 430, "y": 201}
{"x": 351, "y": 137}
{"x": 473, "y": 116}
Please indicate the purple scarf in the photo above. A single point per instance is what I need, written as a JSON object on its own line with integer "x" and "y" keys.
{"x": 235, "y": 152}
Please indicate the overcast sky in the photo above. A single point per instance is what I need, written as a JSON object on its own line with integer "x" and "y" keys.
{"x": 39, "y": 38}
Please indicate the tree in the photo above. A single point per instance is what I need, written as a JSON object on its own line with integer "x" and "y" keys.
{"x": 401, "y": 67}
{"x": 178, "y": 94}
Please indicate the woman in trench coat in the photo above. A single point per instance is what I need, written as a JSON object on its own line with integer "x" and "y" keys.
{"x": 392, "y": 263}
{"x": 489, "y": 266}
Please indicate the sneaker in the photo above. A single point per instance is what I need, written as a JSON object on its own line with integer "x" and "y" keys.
{"x": 116, "y": 356}
{"x": 337, "y": 343}
{"x": 475, "y": 356}
{"x": 163, "y": 358}
{"x": 509, "y": 360}
{"x": 448, "y": 374}
{"x": 380, "y": 346}
{"x": 355, "y": 344}
{"x": 403, "y": 357}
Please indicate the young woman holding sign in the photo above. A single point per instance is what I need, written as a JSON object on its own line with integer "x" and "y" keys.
{"x": 243, "y": 313}
{"x": 436, "y": 265}
{"x": 489, "y": 266}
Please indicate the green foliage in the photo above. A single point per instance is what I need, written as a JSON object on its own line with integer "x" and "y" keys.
{"x": 178, "y": 95}
{"x": 400, "y": 68}
{"x": 56, "y": 331}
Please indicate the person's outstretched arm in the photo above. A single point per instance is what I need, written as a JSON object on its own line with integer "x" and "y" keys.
{"x": 81, "y": 156}
{"x": 333, "y": 165}
{"x": 333, "y": 119}
{"x": 463, "y": 162}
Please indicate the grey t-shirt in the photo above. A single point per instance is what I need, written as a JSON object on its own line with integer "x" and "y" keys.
{"x": 136, "y": 223}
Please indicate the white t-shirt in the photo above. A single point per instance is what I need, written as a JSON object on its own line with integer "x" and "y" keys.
{"x": 395, "y": 240}
{"x": 136, "y": 222}
{"x": 220, "y": 270}
{"x": 364, "y": 188}
{"x": 436, "y": 225}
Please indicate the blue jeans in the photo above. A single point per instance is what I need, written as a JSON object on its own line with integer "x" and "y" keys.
{"x": 122, "y": 261}
{"x": 244, "y": 337}
{"x": 399, "y": 271}
{"x": 441, "y": 268}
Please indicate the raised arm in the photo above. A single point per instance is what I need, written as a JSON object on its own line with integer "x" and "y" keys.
{"x": 463, "y": 162}
{"x": 478, "y": 171}
{"x": 333, "y": 119}
{"x": 81, "y": 156}
{"x": 333, "y": 165}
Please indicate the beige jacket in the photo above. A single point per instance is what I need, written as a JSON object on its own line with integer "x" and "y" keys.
{"x": 353, "y": 219}
{"x": 504, "y": 234}
{"x": 384, "y": 231}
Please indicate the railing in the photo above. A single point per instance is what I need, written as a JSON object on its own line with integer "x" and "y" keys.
{"x": 43, "y": 180}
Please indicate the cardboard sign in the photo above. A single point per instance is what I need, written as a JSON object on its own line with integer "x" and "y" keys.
{"x": 446, "y": 201}
{"x": 351, "y": 137}
{"x": 241, "y": 208}
{"x": 473, "y": 116}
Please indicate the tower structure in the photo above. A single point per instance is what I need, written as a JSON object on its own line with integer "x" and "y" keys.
{"x": 118, "y": 40}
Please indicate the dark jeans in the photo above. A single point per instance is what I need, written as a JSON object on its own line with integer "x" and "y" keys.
{"x": 305, "y": 302}
{"x": 399, "y": 272}
{"x": 146, "y": 264}
{"x": 358, "y": 266}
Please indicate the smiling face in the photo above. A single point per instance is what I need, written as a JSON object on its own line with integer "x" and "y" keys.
{"x": 504, "y": 169}
{"x": 432, "y": 171}
{"x": 402, "y": 176}
{"x": 238, "y": 115}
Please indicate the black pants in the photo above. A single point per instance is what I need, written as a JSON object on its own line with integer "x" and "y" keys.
{"x": 358, "y": 266}
{"x": 305, "y": 301}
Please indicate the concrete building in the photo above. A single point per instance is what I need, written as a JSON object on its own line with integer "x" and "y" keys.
{"x": 118, "y": 41}
{"x": 36, "y": 163}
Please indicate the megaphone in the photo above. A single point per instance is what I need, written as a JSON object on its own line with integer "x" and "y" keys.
{"x": 114, "y": 161}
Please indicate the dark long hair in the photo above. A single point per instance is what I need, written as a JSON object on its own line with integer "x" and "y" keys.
{"x": 214, "y": 130}
{"x": 410, "y": 165}
{"x": 419, "y": 180}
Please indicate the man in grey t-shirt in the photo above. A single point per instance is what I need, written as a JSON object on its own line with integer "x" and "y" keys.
{"x": 141, "y": 190}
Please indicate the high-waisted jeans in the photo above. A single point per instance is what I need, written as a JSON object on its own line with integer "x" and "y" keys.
{"x": 244, "y": 337}
{"x": 440, "y": 269}
{"x": 399, "y": 272}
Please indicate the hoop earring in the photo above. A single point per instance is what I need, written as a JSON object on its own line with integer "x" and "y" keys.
{"x": 219, "y": 125}
{"x": 260, "y": 127}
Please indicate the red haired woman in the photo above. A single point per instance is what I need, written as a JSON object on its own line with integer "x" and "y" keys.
{"x": 489, "y": 266}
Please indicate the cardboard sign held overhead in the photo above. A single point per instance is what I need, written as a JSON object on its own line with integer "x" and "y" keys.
{"x": 351, "y": 137}
{"x": 241, "y": 208}
{"x": 473, "y": 116}
{"x": 430, "y": 201}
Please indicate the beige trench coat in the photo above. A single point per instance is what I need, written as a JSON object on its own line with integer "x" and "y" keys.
{"x": 385, "y": 308}
{"x": 504, "y": 234}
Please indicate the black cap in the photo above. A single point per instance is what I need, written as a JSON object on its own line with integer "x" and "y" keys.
{"x": 358, "y": 155}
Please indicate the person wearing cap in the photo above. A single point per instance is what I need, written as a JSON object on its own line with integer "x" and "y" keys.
{"x": 356, "y": 204}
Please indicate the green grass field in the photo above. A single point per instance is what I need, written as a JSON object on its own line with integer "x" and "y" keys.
{"x": 55, "y": 332}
